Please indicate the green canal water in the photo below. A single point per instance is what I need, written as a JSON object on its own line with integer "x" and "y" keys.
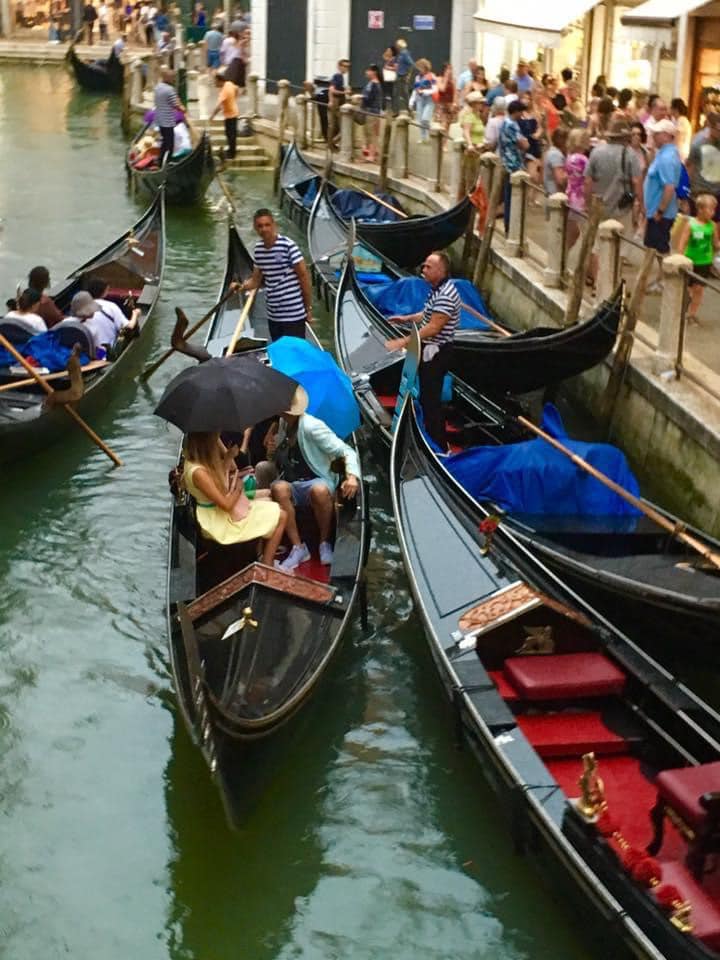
{"x": 375, "y": 838}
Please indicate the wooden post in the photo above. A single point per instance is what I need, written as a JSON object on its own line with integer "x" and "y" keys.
{"x": 516, "y": 235}
{"x": 126, "y": 99}
{"x": 346, "y": 132}
{"x": 283, "y": 95}
{"x": 437, "y": 141}
{"x": 456, "y": 182}
{"x": 385, "y": 150}
{"x": 578, "y": 283}
{"x": 623, "y": 350}
{"x": 483, "y": 256}
{"x": 136, "y": 82}
{"x": 672, "y": 306}
{"x": 609, "y": 233}
{"x": 402, "y": 143}
{"x": 300, "y": 125}
{"x": 555, "y": 240}
{"x": 253, "y": 98}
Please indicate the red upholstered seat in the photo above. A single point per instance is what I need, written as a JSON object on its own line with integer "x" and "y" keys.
{"x": 705, "y": 912}
{"x": 505, "y": 689}
{"x": 682, "y": 789}
{"x": 570, "y": 734}
{"x": 388, "y": 401}
{"x": 564, "y": 676}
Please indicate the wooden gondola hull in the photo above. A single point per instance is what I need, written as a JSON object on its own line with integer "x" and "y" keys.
{"x": 407, "y": 242}
{"x": 185, "y": 181}
{"x": 299, "y": 623}
{"x": 438, "y": 530}
{"x": 94, "y": 78}
{"x": 26, "y": 424}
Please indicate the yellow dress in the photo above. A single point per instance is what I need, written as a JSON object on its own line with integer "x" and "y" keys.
{"x": 217, "y": 524}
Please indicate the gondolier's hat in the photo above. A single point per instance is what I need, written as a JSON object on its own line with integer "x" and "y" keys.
{"x": 299, "y": 402}
{"x": 619, "y": 130}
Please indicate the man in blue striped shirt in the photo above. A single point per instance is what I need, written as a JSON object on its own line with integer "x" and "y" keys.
{"x": 438, "y": 322}
{"x": 166, "y": 103}
{"x": 280, "y": 267}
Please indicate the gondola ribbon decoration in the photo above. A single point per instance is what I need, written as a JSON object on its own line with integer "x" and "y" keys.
{"x": 488, "y": 528}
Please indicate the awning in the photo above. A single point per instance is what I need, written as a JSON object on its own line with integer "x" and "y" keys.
{"x": 659, "y": 13}
{"x": 530, "y": 19}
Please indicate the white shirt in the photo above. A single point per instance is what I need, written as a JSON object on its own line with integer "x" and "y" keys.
{"x": 103, "y": 13}
{"x": 106, "y": 323}
{"x": 32, "y": 319}
{"x": 492, "y": 130}
{"x": 181, "y": 140}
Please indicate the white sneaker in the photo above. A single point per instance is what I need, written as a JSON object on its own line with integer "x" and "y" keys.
{"x": 296, "y": 556}
{"x": 326, "y": 553}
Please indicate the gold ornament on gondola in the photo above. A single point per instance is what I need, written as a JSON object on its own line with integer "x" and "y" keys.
{"x": 591, "y": 802}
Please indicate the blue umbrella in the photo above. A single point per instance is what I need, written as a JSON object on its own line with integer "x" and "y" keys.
{"x": 329, "y": 390}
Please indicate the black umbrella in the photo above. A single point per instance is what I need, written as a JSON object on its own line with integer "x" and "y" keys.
{"x": 228, "y": 393}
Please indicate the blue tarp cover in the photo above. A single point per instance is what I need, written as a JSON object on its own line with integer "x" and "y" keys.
{"x": 350, "y": 203}
{"x": 329, "y": 390}
{"x": 408, "y": 295}
{"x": 533, "y": 478}
{"x": 44, "y": 348}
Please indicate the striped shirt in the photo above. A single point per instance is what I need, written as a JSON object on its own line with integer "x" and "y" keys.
{"x": 166, "y": 100}
{"x": 284, "y": 296}
{"x": 443, "y": 299}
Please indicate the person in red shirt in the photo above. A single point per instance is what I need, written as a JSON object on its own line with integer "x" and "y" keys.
{"x": 39, "y": 280}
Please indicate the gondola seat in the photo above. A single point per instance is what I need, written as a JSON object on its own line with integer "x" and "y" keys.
{"x": 566, "y": 734}
{"x": 70, "y": 332}
{"x": 564, "y": 676}
{"x": 16, "y": 330}
{"x": 705, "y": 912}
{"x": 690, "y": 798}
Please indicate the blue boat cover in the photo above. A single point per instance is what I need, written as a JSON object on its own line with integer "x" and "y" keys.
{"x": 351, "y": 203}
{"x": 533, "y": 477}
{"x": 329, "y": 389}
{"x": 45, "y": 349}
{"x": 408, "y": 295}
{"x": 308, "y": 198}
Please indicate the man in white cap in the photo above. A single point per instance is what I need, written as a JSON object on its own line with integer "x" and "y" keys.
{"x": 661, "y": 182}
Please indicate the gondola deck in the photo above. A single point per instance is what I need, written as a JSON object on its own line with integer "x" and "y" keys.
{"x": 132, "y": 265}
{"x": 540, "y": 681}
{"x": 237, "y": 687}
{"x": 185, "y": 180}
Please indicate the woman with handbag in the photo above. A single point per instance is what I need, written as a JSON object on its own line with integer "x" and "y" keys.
{"x": 372, "y": 104}
{"x": 425, "y": 92}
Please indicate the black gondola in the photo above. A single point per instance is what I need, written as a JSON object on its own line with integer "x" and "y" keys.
{"x": 185, "y": 180}
{"x": 232, "y": 695}
{"x": 99, "y": 76}
{"x": 636, "y": 574}
{"x": 495, "y": 364}
{"x": 554, "y": 701}
{"x": 133, "y": 266}
{"x": 403, "y": 242}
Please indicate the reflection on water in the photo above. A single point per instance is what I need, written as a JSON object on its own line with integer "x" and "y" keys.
{"x": 375, "y": 836}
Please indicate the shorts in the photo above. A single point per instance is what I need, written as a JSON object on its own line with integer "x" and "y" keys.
{"x": 301, "y": 490}
{"x": 702, "y": 270}
{"x": 213, "y": 59}
{"x": 657, "y": 234}
{"x": 286, "y": 328}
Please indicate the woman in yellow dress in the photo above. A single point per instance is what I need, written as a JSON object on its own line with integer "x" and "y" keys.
{"x": 224, "y": 511}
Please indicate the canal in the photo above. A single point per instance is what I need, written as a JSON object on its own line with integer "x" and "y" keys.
{"x": 375, "y": 838}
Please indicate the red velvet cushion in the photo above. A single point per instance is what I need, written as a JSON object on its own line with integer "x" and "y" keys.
{"x": 561, "y": 676}
{"x": 705, "y": 913}
{"x": 506, "y": 691}
{"x": 570, "y": 734}
{"x": 683, "y": 788}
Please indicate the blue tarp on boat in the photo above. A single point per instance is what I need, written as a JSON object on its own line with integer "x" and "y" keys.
{"x": 44, "y": 348}
{"x": 350, "y": 203}
{"x": 533, "y": 478}
{"x": 409, "y": 294}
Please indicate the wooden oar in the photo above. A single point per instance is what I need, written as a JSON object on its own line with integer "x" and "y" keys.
{"x": 95, "y": 365}
{"x": 224, "y": 187}
{"x": 662, "y": 521}
{"x": 71, "y": 411}
{"x": 487, "y": 320}
{"x": 149, "y": 371}
{"x": 381, "y": 202}
{"x": 241, "y": 322}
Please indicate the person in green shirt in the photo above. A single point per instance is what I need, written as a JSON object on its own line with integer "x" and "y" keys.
{"x": 471, "y": 122}
{"x": 698, "y": 240}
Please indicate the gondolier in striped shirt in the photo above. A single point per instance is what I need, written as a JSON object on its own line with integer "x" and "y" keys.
{"x": 281, "y": 269}
{"x": 438, "y": 322}
{"x": 167, "y": 103}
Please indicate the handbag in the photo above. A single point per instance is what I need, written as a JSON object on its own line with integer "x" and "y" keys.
{"x": 389, "y": 76}
{"x": 628, "y": 197}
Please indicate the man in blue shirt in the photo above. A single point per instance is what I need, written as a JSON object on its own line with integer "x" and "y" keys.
{"x": 661, "y": 182}
{"x": 466, "y": 75}
{"x": 404, "y": 72}
{"x": 499, "y": 90}
{"x": 336, "y": 98}
{"x": 522, "y": 77}
{"x": 512, "y": 147}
